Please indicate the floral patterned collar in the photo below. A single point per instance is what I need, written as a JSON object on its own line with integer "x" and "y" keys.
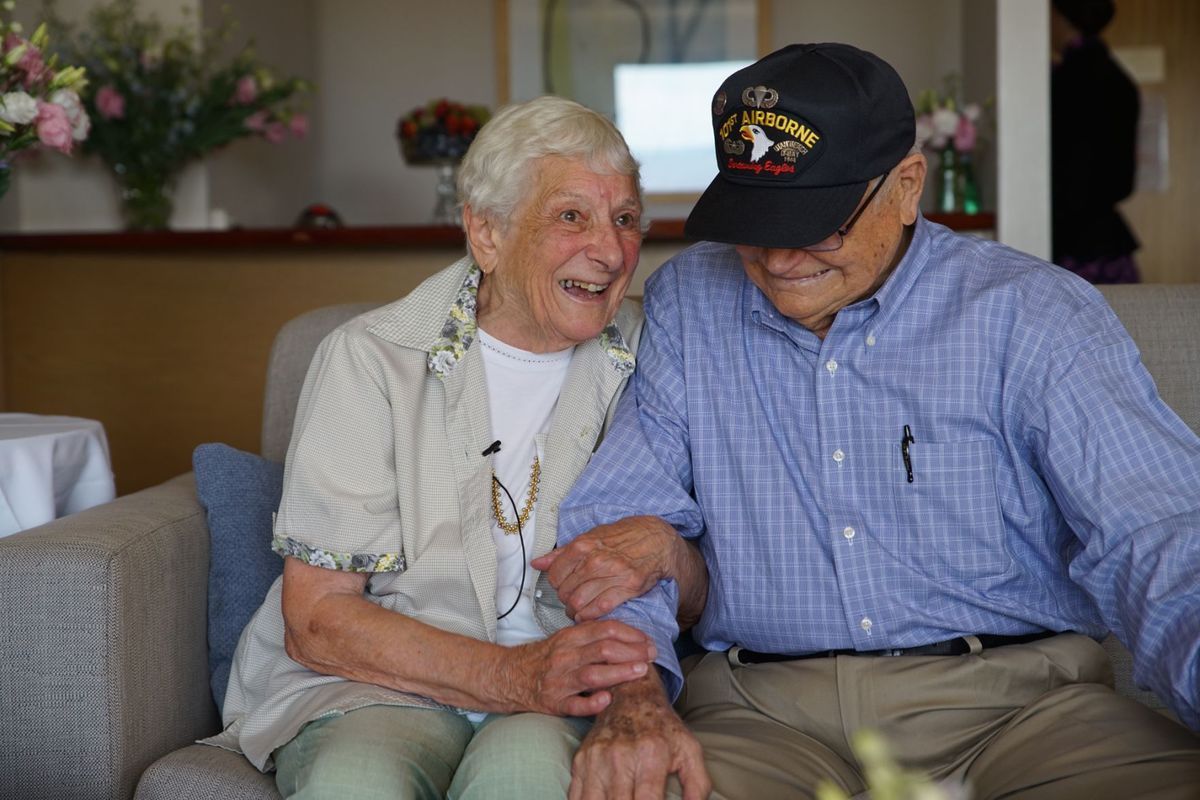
{"x": 460, "y": 327}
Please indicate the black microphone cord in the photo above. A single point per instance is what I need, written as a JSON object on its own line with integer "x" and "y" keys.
{"x": 521, "y": 536}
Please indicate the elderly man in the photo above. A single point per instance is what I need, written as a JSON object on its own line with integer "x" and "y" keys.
{"x": 926, "y": 472}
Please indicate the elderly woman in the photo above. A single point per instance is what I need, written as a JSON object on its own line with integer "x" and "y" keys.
{"x": 409, "y": 648}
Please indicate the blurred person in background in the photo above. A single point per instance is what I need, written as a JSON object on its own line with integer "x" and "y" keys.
{"x": 1094, "y": 108}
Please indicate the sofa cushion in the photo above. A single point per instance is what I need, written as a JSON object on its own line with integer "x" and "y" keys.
{"x": 202, "y": 772}
{"x": 239, "y": 491}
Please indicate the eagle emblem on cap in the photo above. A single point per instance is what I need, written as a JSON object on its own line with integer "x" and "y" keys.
{"x": 760, "y": 97}
{"x": 758, "y": 137}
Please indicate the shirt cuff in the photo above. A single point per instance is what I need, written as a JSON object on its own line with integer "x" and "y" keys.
{"x": 654, "y": 615}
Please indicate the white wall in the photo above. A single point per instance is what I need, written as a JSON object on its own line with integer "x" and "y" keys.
{"x": 54, "y": 193}
{"x": 1023, "y": 122}
{"x": 920, "y": 38}
{"x": 420, "y": 56}
{"x": 376, "y": 59}
{"x": 258, "y": 184}
{"x": 373, "y": 60}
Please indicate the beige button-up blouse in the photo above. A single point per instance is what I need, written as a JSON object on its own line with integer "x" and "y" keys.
{"x": 385, "y": 475}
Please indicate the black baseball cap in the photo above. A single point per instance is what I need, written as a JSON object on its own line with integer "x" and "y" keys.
{"x": 800, "y": 134}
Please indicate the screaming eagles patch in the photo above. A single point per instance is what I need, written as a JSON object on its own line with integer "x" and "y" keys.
{"x": 763, "y": 140}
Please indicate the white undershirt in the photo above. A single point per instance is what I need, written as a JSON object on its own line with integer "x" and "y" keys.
{"x": 522, "y": 390}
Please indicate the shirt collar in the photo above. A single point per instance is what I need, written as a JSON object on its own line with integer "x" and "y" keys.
{"x": 460, "y": 328}
{"x": 900, "y": 283}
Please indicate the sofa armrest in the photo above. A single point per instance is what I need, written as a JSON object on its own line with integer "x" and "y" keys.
{"x": 103, "y": 662}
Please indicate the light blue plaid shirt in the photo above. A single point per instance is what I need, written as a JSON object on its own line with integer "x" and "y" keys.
{"x": 1052, "y": 489}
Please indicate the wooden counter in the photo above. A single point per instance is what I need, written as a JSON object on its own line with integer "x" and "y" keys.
{"x": 164, "y": 337}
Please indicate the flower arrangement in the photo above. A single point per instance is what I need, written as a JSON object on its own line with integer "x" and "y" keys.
{"x": 39, "y": 100}
{"x": 946, "y": 125}
{"x": 943, "y": 120}
{"x": 440, "y": 130}
{"x": 161, "y": 98}
{"x": 886, "y": 780}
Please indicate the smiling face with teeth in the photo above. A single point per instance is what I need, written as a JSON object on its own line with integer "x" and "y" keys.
{"x": 811, "y": 287}
{"x": 556, "y": 271}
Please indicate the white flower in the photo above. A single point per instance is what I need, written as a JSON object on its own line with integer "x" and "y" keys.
{"x": 80, "y": 123}
{"x": 945, "y": 121}
{"x": 18, "y": 108}
{"x": 442, "y": 362}
{"x": 924, "y": 129}
{"x": 972, "y": 111}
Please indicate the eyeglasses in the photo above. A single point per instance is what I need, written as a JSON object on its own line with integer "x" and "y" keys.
{"x": 834, "y": 240}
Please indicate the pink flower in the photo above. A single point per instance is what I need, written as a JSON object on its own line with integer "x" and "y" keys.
{"x": 246, "y": 91}
{"x": 299, "y": 126}
{"x": 275, "y": 132}
{"x": 964, "y": 136}
{"x": 256, "y": 122}
{"x": 35, "y": 69}
{"x": 53, "y": 127}
{"x": 110, "y": 103}
{"x": 69, "y": 100}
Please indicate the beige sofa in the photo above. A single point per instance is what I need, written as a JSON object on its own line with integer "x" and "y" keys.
{"x": 103, "y": 671}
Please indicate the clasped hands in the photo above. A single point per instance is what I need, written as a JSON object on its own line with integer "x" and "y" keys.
{"x": 637, "y": 741}
{"x": 571, "y": 672}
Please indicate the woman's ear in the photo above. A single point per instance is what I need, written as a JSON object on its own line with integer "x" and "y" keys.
{"x": 910, "y": 173}
{"x": 483, "y": 238}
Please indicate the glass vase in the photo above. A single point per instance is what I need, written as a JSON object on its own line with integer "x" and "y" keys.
{"x": 5, "y": 177}
{"x": 445, "y": 211}
{"x": 146, "y": 200}
{"x": 958, "y": 191}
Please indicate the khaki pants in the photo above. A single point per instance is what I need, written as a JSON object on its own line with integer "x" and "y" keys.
{"x": 1037, "y": 720}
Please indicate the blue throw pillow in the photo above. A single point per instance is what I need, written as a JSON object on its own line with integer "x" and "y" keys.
{"x": 239, "y": 492}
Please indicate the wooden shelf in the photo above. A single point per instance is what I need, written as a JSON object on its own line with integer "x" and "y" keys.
{"x": 381, "y": 237}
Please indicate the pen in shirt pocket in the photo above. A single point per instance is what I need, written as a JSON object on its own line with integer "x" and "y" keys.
{"x": 905, "y": 441}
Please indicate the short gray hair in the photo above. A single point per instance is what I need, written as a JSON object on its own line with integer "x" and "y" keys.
{"x": 494, "y": 175}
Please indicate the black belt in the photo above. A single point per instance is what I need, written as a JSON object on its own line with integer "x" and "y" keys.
{"x": 953, "y": 647}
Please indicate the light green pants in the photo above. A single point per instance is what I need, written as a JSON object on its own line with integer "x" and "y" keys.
{"x": 398, "y": 752}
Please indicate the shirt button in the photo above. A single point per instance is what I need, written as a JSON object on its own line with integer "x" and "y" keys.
{"x": 866, "y": 625}
{"x": 831, "y": 365}
{"x": 870, "y": 340}
{"x": 848, "y": 532}
{"x": 838, "y": 455}
{"x": 538, "y": 594}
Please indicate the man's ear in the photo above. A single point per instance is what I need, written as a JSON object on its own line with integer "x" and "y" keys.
{"x": 483, "y": 238}
{"x": 910, "y": 175}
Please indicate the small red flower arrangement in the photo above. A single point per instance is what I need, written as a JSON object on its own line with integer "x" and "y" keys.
{"x": 440, "y": 130}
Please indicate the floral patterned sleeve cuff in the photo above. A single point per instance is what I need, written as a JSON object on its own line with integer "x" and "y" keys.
{"x": 346, "y": 562}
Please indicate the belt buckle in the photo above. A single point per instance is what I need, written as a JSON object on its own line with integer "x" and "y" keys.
{"x": 732, "y": 655}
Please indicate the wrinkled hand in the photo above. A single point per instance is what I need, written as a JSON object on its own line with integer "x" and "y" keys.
{"x": 634, "y": 746}
{"x": 569, "y": 673}
{"x": 610, "y": 564}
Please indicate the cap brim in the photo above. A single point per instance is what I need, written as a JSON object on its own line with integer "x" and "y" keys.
{"x": 767, "y": 216}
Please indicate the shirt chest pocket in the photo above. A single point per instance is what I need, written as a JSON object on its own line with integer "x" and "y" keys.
{"x": 948, "y": 520}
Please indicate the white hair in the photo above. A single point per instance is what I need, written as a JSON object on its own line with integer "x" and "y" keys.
{"x": 495, "y": 173}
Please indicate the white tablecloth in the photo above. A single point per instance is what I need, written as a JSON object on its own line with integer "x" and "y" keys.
{"x": 50, "y": 467}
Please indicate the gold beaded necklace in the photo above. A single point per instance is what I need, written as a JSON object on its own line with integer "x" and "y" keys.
{"x": 515, "y": 527}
